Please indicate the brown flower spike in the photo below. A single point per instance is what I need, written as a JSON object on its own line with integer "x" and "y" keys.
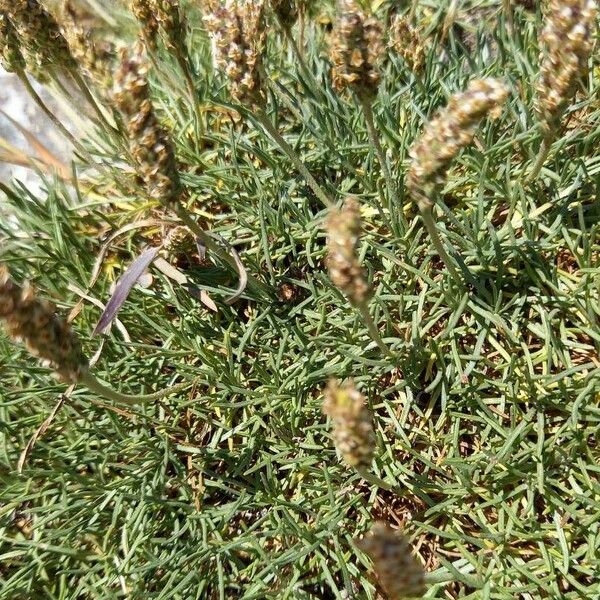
{"x": 238, "y": 35}
{"x": 45, "y": 334}
{"x": 95, "y": 56}
{"x": 39, "y": 36}
{"x": 149, "y": 143}
{"x": 144, "y": 12}
{"x": 353, "y": 432}
{"x": 407, "y": 42}
{"x": 344, "y": 228}
{"x": 356, "y": 47}
{"x": 567, "y": 41}
{"x": 447, "y": 133}
{"x": 10, "y": 50}
{"x": 400, "y": 574}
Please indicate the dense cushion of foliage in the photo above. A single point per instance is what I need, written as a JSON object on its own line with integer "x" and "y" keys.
{"x": 486, "y": 408}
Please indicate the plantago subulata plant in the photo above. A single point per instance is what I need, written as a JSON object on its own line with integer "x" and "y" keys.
{"x": 566, "y": 43}
{"x": 152, "y": 148}
{"x": 442, "y": 139}
{"x": 238, "y": 35}
{"x": 344, "y": 229}
{"x": 49, "y": 337}
{"x": 398, "y": 571}
{"x": 355, "y": 51}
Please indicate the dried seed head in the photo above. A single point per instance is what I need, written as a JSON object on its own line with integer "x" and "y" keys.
{"x": 407, "y": 42}
{"x": 46, "y": 335}
{"x": 149, "y": 143}
{"x": 344, "y": 228}
{"x": 161, "y": 16}
{"x": 144, "y": 12}
{"x": 286, "y": 12}
{"x": 238, "y": 34}
{"x": 400, "y": 574}
{"x": 39, "y": 35}
{"x": 11, "y": 56}
{"x": 567, "y": 41}
{"x": 356, "y": 47}
{"x": 353, "y": 432}
{"x": 450, "y": 131}
{"x": 96, "y": 57}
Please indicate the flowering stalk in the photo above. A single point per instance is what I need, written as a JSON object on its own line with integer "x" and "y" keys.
{"x": 95, "y": 57}
{"x": 45, "y": 48}
{"x": 356, "y": 48}
{"x": 344, "y": 228}
{"x": 47, "y": 336}
{"x": 400, "y": 574}
{"x": 353, "y": 431}
{"x": 13, "y": 61}
{"x": 152, "y": 148}
{"x": 238, "y": 34}
{"x": 442, "y": 139}
{"x": 567, "y": 41}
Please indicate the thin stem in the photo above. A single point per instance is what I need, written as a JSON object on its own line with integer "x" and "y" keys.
{"x": 373, "y": 479}
{"x": 213, "y": 247}
{"x": 542, "y": 155}
{"x": 373, "y": 331}
{"x": 427, "y": 216}
{"x": 44, "y": 108}
{"x": 263, "y": 119}
{"x": 102, "y": 390}
{"x": 393, "y": 199}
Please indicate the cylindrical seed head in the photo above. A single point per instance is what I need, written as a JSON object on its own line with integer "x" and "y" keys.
{"x": 95, "y": 56}
{"x": 144, "y": 12}
{"x": 34, "y": 322}
{"x": 400, "y": 574}
{"x": 355, "y": 49}
{"x": 344, "y": 227}
{"x": 567, "y": 41}
{"x": 11, "y": 56}
{"x": 447, "y": 133}
{"x": 150, "y": 146}
{"x": 39, "y": 35}
{"x": 353, "y": 432}
{"x": 237, "y": 32}
{"x": 407, "y": 42}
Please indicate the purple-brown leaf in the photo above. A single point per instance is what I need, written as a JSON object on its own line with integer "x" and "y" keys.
{"x": 124, "y": 286}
